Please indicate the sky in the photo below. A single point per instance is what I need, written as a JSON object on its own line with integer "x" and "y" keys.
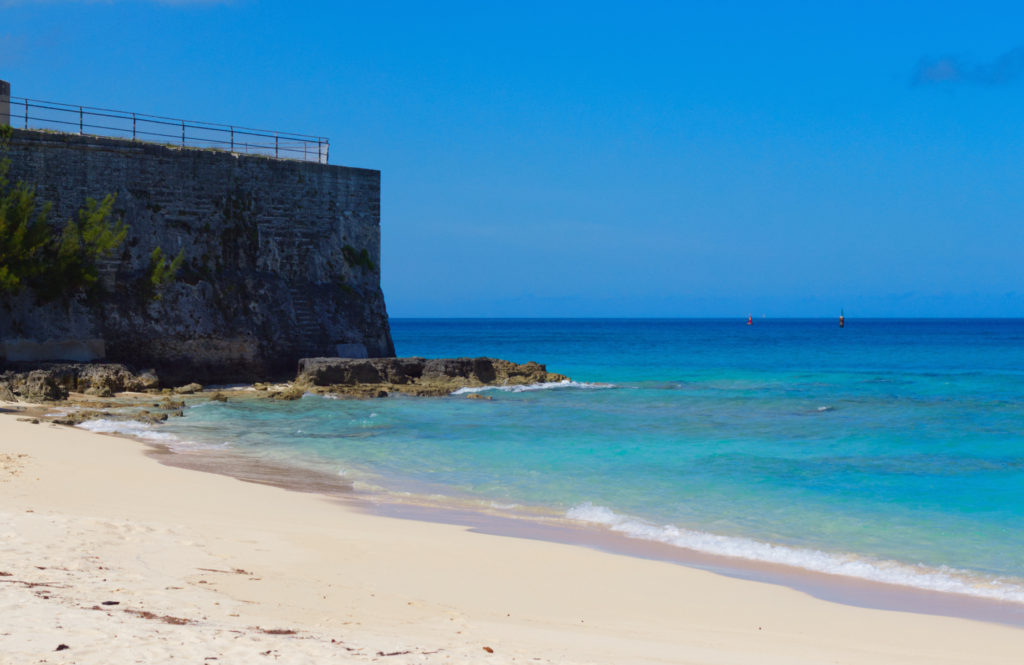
{"x": 640, "y": 159}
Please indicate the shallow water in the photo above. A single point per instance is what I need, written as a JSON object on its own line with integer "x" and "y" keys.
{"x": 888, "y": 450}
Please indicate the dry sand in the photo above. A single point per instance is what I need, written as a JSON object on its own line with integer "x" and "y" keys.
{"x": 125, "y": 560}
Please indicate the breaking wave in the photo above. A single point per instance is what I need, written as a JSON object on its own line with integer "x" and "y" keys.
{"x": 944, "y": 579}
{"x": 530, "y": 387}
{"x": 147, "y": 432}
{"x": 128, "y": 428}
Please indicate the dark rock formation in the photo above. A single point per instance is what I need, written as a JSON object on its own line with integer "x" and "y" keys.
{"x": 416, "y": 376}
{"x": 53, "y": 381}
{"x": 105, "y": 379}
{"x": 41, "y": 386}
{"x": 357, "y": 377}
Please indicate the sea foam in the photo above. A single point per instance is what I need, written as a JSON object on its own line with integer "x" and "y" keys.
{"x": 530, "y": 387}
{"x": 147, "y": 432}
{"x": 129, "y": 428}
{"x": 944, "y": 579}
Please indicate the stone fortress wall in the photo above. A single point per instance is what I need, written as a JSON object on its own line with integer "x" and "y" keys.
{"x": 282, "y": 260}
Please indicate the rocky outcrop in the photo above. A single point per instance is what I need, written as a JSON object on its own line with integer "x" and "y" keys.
{"x": 108, "y": 378}
{"x": 52, "y": 382}
{"x": 37, "y": 386}
{"x": 416, "y": 376}
{"x": 356, "y": 377}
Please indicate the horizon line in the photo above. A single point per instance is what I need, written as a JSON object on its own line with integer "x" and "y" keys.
{"x": 712, "y": 318}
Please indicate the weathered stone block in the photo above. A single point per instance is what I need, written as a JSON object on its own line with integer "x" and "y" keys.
{"x": 5, "y": 103}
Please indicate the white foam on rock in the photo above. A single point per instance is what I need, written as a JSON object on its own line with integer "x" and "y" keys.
{"x": 530, "y": 387}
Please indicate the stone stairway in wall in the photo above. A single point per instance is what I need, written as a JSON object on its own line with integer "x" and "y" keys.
{"x": 307, "y": 327}
{"x": 287, "y": 249}
{"x": 106, "y": 270}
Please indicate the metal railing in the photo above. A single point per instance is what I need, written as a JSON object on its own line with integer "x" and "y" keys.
{"x": 39, "y": 114}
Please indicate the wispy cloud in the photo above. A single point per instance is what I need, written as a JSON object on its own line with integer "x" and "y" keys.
{"x": 11, "y": 47}
{"x": 949, "y": 69}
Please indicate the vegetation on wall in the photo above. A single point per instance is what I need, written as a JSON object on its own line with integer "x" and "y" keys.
{"x": 161, "y": 272}
{"x": 358, "y": 259}
{"x": 52, "y": 260}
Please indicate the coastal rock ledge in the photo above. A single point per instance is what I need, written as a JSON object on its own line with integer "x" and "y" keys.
{"x": 415, "y": 376}
{"x": 48, "y": 382}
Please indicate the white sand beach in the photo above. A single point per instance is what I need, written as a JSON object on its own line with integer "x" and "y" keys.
{"x": 121, "y": 559}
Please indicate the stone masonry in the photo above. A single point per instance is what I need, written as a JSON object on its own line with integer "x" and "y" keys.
{"x": 282, "y": 260}
{"x": 5, "y": 103}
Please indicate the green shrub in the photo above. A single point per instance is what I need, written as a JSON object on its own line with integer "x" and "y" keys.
{"x": 54, "y": 261}
{"x": 72, "y": 257}
{"x": 357, "y": 259}
{"x": 162, "y": 272}
{"x": 24, "y": 235}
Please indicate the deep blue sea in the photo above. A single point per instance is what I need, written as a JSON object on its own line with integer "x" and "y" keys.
{"x": 890, "y": 450}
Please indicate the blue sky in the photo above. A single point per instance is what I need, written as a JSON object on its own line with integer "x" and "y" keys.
{"x": 611, "y": 159}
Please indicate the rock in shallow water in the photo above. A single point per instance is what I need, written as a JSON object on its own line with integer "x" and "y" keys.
{"x": 417, "y": 376}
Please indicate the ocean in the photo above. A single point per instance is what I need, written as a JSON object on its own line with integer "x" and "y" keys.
{"x": 888, "y": 450}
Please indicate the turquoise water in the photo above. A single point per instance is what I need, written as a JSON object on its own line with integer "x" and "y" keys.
{"x": 887, "y": 450}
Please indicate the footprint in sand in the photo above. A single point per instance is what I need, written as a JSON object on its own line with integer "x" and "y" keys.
{"x": 11, "y": 465}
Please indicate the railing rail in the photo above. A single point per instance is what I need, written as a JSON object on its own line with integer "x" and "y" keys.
{"x": 40, "y": 114}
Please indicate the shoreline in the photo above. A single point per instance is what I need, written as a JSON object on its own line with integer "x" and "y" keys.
{"x": 833, "y": 588}
{"x": 406, "y": 580}
{"x": 552, "y": 526}
{"x": 518, "y": 523}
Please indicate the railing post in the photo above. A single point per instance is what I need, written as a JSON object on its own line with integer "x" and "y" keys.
{"x": 183, "y": 133}
{"x": 232, "y": 139}
{"x": 133, "y": 126}
{"x": 26, "y": 114}
{"x": 275, "y": 144}
{"x": 81, "y": 121}
{"x": 5, "y": 103}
